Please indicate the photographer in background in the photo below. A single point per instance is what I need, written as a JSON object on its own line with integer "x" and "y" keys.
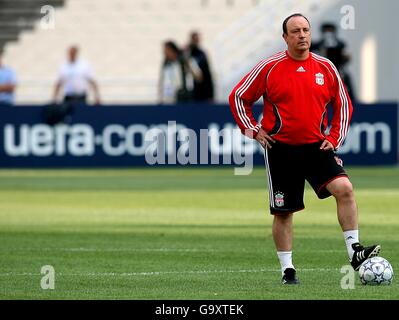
{"x": 178, "y": 73}
{"x": 203, "y": 89}
{"x": 333, "y": 48}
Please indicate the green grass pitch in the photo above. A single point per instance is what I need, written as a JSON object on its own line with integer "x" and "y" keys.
{"x": 180, "y": 234}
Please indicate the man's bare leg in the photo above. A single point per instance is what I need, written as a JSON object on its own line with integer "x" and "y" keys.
{"x": 282, "y": 235}
{"x": 341, "y": 188}
{"x": 282, "y": 232}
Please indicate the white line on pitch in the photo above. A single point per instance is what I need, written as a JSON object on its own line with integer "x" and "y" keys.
{"x": 160, "y": 273}
{"x": 82, "y": 249}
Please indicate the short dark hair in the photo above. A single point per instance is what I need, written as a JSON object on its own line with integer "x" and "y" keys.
{"x": 291, "y": 16}
{"x": 172, "y": 45}
{"x": 328, "y": 26}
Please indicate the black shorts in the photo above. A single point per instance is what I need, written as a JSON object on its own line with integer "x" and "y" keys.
{"x": 288, "y": 166}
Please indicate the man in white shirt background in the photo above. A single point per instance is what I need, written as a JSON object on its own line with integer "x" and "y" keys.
{"x": 75, "y": 78}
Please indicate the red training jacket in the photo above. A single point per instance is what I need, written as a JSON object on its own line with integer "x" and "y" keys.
{"x": 295, "y": 96}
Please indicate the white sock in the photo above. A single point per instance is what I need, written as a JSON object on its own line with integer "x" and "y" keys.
{"x": 285, "y": 258}
{"x": 351, "y": 237}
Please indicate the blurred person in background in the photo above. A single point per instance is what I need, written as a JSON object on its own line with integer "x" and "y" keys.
{"x": 8, "y": 82}
{"x": 75, "y": 77}
{"x": 203, "y": 89}
{"x": 333, "y": 48}
{"x": 178, "y": 74}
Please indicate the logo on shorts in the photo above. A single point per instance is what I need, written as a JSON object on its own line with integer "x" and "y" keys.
{"x": 339, "y": 161}
{"x": 279, "y": 199}
{"x": 320, "y": 79}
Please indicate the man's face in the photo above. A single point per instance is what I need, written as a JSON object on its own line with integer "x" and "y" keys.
{"x": 170, "y": 54}
{"x": 195, "y": 39}
{"x": 298, "y": 37}
{"x": 72, "y": 54}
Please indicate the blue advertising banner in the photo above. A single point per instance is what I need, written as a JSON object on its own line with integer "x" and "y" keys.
{"x": 373, "y": 136}
{"x": 124, "y": 136}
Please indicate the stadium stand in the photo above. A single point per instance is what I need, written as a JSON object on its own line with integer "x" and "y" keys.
{"x": 19, "y": 15}
{"x": 122, "y": 41}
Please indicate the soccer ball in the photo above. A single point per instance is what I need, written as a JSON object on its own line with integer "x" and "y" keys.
{"x": 376, "y": 271}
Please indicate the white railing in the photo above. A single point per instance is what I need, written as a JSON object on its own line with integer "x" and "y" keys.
{"x": 41, "y": 90}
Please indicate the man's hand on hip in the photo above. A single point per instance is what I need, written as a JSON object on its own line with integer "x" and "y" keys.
{"x": 264, "y": 139}
{"x": 326, "y": 146}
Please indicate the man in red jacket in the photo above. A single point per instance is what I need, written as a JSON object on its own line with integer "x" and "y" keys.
{"x": 296, "y": 86}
